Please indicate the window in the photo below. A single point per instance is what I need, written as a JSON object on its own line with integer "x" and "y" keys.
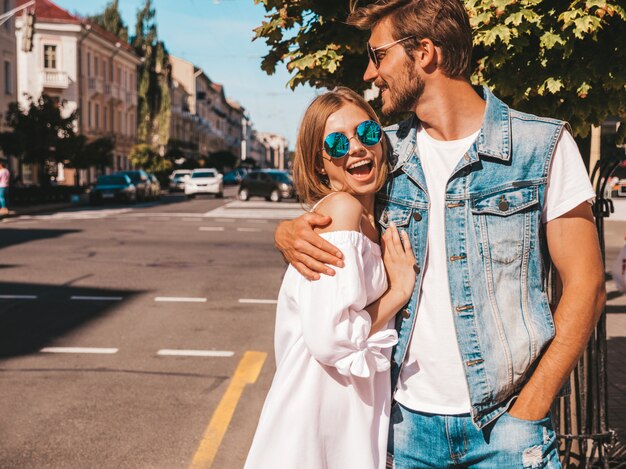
{"x": 50, "y": 57}
{"x": 88, "y": 64}
{"x": 105, "y": 121}
{"x": 97, "y": 111}
{"x": 104, "y": 70}
{"x": 95, "y": 65}
{"x": 119, "y": 76}
{"x": 8, "y": 79}
{"x": 89, "y": 115}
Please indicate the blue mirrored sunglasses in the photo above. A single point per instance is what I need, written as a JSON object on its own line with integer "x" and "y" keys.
{"x": 337, "y": 144}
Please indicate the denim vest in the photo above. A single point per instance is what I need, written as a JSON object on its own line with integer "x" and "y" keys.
{"x": 495, "y": 244}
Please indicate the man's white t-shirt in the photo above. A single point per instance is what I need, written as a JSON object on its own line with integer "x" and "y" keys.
{"x": 432, "y": 378}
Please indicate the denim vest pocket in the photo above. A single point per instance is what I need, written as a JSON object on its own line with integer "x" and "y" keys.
{"x": 503, "y": 220}
{"x": 398, "y": 214}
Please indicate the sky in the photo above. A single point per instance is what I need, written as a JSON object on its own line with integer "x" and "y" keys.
{"x": 216, "y": 35}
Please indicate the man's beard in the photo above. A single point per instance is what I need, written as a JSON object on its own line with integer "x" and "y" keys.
{"x": 406, "y": 93}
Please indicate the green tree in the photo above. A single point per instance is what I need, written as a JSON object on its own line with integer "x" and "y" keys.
{"x": 111, "y": 20}
{"x": 144, "y": 156}
{"x": 40, "y": 133}
{"x": 221, "y": 160}
{"x": 154, "y": 79}
{"x": 82, "y": 154}
{"x": 564, "y": 59}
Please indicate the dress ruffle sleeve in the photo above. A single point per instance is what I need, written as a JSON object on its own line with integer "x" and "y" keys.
{"x": 335, "y": 324}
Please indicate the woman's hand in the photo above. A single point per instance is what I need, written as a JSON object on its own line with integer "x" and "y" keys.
{"x": 399, "y": 262}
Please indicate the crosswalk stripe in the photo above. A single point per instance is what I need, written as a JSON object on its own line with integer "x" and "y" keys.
{"x": 195, "y": 353}
{"x": 18, "y": 297}
{"x": 180, "y": 299}
{"x": 258, "y": 302}
{"x": 96, "y": 298}
{"x": 94, "y": 350}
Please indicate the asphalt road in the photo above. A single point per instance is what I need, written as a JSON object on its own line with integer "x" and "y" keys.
{"x": 122, "y": 333}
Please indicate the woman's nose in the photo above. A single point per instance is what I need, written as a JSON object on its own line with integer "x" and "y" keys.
{"x": 356, "y": 147}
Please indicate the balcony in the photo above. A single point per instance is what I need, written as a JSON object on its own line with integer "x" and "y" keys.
{"x": 131, "y": 98}
{"x": 95, "y": 85}
{"x": 54, "y": 79}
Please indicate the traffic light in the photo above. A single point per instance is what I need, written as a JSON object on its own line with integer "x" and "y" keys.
{"x": 29, "y": 32}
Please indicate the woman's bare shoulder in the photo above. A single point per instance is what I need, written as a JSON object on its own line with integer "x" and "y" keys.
{"x": 344, "y": 210}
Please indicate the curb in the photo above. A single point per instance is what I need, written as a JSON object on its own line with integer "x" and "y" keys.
{"x": 36, "y": 209}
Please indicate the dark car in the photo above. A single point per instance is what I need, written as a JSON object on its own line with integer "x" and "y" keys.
{"x": 273, "y": 184}
{"x": 113, "y": 188}
{"x": 141, "y": 181}
{"x": 234, "y": 177}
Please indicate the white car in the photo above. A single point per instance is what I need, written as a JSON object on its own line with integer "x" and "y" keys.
{"x": 204, "y": 181}
{"x": 177, "y": 179}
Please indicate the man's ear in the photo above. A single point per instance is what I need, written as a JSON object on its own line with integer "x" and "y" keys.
{"x": 427, "y": 55}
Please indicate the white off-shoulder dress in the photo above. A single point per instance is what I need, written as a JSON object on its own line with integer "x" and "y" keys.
{"x": 328, "y": 406}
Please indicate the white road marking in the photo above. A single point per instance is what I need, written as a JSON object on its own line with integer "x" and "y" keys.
{"x": 95, "y": 350}
{"x": 195, "y": 353}
{"x": 258, "y": 221}
{"x": 249, "y": 230}
{"x": 18, "y": 297}
{"x": 258, "y": 302}
{"x": 97, "y": 298}
{"x": 211, "y": 228}
{"x": 221, "y": 220}
{"x": 180, "y": 299}
{"x": 192, "y": 219}
{"x": 262, "y": 210}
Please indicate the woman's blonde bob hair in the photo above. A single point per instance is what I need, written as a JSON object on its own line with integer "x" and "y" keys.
{"x": 311, "y": 185}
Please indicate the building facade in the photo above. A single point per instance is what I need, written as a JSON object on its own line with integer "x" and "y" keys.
{"x": 87, "y": 69}
{"x": 8, "y": 85}
{"x": 202, "y": 116}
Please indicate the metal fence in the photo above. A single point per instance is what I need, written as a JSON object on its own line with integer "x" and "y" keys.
{"x": 582, "y": 417}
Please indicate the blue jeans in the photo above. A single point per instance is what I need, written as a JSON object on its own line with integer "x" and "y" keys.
{"x": 420, "y": 440}
{"x": 3, "y": 198}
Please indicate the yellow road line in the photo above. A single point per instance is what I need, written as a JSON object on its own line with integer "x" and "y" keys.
{"x": 247, "y": 372}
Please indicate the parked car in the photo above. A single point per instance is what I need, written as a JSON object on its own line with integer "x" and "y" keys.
{"x": 235, "y": 176}
{"x": 617, "y": 183}
{"x": 178, "y": 178}
{"x": 141, "y": 181}
{"x": 155, "y": 187}
{"x": 113, "y": 188}
{"x": 273, "y": 184}
{"x": 204, "y": 181}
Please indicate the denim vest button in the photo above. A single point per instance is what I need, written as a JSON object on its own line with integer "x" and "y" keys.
{"x": 466, "y": 157}
{"x": 416, "y": 268}
{"x": 385, "y": 218}
{"x": 417, "y": 216}
{"x": 406, "y": 314}
{"x": 503, "y": 205}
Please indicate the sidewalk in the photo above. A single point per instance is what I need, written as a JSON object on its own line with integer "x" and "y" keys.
{"x": 34, "y": 209}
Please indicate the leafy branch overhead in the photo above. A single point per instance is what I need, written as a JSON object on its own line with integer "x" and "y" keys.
{"x": 550, "y": 57}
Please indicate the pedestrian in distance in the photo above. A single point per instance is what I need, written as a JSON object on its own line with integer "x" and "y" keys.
{"x": 5, "y": 177}
{"x": 490, "y": 196}
{"x": 329, "y": 402}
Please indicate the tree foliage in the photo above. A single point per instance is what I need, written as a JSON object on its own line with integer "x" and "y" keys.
{"x": 154, "y": 77}
{"x": 111, "y": 20}
{"x": 221, "y": 160}
{"x": 564, "y": 59}
{"x": 144, "y": 156}
{"x": 40, "y": 133}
